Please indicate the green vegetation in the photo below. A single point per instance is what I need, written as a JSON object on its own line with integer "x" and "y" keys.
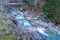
{"x": 8, "y": 37}
{"x": 3, "y": 23}
{"x": 30, "y": 3}
{"x": 25, "y": 1}
{"x": 4, "y": 29}
{"x": 51, "y": 10}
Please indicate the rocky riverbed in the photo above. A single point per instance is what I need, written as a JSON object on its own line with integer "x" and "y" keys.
{"x": 29, "y": 24}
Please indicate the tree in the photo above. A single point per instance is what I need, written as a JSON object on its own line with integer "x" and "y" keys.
{"x": 50, "y": 9}
{"x": 25, "y": 1}
{"x": 30, "y": 3}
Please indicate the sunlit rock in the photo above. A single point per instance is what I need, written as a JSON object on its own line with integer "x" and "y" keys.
{"x": 18, "y": 17}
{"x": 26, "y": 25}
{"x": 42, "y": 31}
{"x": 14, "y": 13}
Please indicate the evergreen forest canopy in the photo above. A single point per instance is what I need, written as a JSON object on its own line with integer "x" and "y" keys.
{"x": 51, "y": 9}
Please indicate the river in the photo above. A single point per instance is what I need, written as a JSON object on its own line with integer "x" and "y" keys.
{"x": 30, "y": 23}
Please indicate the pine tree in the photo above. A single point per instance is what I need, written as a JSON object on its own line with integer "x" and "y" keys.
{"x": 50, "y": 9}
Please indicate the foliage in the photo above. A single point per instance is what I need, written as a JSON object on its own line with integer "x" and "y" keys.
{"x": 30, "y": 3}
{"x": 2, "y": 20}
{"x": 50, "y": 9}
{"x": 25, "y": 1}
{"x": 3, "y": 24}
{"x": 4, "y": 28}
{"x": 8, "y": 37}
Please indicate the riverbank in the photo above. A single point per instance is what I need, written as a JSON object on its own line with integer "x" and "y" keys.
{"x": 5, "y": 29}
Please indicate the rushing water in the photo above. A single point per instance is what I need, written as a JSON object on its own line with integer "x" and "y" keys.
{"x": 40, "y": 29}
